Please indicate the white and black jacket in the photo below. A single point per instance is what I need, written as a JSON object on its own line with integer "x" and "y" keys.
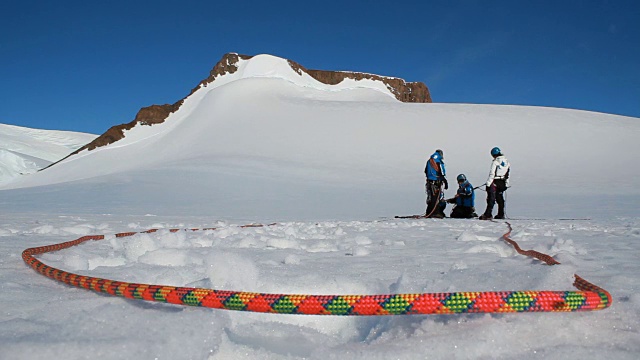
{"x": 499, "y": 170}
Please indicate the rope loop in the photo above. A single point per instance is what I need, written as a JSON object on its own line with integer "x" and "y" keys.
{"x": 588, "y": 297}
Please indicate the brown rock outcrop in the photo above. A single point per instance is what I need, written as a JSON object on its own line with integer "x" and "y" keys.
{"x": 416, "y": 92}
{"x": 156, "y": 114}
{"x": 226, "y": 65}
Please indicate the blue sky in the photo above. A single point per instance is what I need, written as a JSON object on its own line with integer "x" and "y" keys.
{"x": 86, "y": 66}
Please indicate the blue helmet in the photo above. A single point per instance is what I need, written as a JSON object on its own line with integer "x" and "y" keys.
{"x": 461, "y": 178}
{"x": 496, "y": 151}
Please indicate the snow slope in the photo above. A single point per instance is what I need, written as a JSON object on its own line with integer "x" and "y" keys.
{"x": 25, "y": 151}
{"x": 266, "y": 141}
{"x": 331, "y": 166}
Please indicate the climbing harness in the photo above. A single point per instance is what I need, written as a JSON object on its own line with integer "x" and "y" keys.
{"x": 437, "y": 203}
{"x": 588, "y": 297}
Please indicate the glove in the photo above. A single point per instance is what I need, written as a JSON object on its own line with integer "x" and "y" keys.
{"x": 446, "y": 184}
{"x": 488, "y": 188}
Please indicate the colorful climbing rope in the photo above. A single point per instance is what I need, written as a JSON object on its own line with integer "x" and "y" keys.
{"x": 588, "y": 298}
{"x": 532, "y": 253}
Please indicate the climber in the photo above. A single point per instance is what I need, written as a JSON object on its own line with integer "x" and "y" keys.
{"x": 436, "y": 177}
{"x": 497, "y": 184}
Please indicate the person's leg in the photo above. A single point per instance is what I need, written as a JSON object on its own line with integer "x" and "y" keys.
{"x": 468, "y": 212}
{"x": 433, "y": 196}
{"x": 500, "y": 201}
{"x": 439, "y": 213}
{"x": 491, "y": 199}
{"x": 430, "y": 198}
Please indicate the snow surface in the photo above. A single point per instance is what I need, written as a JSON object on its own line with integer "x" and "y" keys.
{"x": 45, "y": 319}
{"x": 331, "y": 166}
{"x": 25, "y": 150}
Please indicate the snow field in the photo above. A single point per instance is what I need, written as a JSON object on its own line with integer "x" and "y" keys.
{"x": 333, "y": 257}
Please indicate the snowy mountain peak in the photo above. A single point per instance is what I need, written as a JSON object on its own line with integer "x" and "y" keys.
{"x": 272, "y": 66}
{"x": 234, "y": 67}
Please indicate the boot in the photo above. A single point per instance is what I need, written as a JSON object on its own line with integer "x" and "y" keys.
{"x": 485, "y": 217}
{"x": 487, "y": 213}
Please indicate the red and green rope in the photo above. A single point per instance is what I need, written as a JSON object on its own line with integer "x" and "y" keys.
{"x": 588, "y": 297}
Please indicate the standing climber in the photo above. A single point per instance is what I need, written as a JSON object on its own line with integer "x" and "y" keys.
{"x": 497, "y": 184}
{"x": 436, "y": 177}
{"x": 464, "y": 200}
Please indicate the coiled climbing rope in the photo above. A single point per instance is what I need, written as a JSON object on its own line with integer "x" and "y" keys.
{"x": 588, "y": 297}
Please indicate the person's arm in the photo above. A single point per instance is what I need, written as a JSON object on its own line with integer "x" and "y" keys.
{"x": 492, "y": 173}
{"x": 443, "y": 173}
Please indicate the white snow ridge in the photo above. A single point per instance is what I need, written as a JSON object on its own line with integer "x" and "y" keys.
{"x": 25, "y": 151}
{"x": 330, "y": 165}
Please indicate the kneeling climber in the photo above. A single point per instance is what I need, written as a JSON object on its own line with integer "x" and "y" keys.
{"x": 464, "y": 200}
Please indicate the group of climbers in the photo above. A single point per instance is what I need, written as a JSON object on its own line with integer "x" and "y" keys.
{"x": 464, "y": 200}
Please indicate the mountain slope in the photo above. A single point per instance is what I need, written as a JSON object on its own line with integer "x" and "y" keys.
{"x": 264, "y": 141}
{"x": 24, "y": 150}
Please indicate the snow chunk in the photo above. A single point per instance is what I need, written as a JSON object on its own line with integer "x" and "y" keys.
{"x": 231, "y": 271}
{"x": 567, "y": 246}
{"x": 471, "y": 236}
{"x": 501, "y": 250}
{"x": 139, "y": 245}
{"x": 108, "y": 262}
{"x": 167, "y": 257}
